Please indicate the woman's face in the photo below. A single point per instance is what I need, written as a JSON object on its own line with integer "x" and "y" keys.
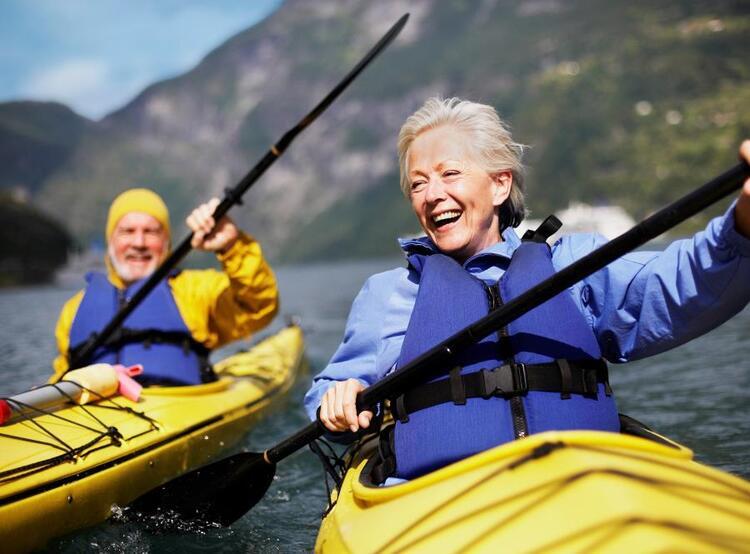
{"x": 455, "y": 199}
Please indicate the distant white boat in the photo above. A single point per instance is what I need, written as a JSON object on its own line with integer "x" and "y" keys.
{"x": 610, "y": 221}
{"x": 80, "y": 263}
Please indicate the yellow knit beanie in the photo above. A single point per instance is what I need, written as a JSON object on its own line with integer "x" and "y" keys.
{"x": 137, "y": 200}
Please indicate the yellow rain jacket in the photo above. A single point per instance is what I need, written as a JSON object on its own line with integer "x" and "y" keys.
{"x": 218, "y": 307}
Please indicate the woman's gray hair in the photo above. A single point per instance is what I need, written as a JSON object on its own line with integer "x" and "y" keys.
{"x": 491, "y": 143}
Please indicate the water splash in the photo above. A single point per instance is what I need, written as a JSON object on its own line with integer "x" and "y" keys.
{"x": 163, "y": 521}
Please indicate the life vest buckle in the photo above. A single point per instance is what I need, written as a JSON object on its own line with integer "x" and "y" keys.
{"x": 506, "y": 380}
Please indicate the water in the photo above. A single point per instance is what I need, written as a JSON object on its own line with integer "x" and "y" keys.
{"x": 697, "y": 394}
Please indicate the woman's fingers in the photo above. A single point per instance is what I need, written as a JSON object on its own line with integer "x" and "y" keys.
{"x": 338, "y": 408}
{"x": 328, "y": 416}
{"x": 351, "y": 388}
{"x": 324, "y": 416}
{"x": 365, "y": 418}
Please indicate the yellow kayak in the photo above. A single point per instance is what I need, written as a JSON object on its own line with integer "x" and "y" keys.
{"x": 572, "y": 491}
{"x": 67, "y": 470}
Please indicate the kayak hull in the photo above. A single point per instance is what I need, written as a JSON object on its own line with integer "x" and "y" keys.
{"x": 183, "y": 428}
{"x": 573, "y": 491}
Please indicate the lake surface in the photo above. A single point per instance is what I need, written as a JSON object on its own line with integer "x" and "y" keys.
{"x": 697, "y": 394}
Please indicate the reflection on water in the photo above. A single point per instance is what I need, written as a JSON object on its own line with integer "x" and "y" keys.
{"x": 696, "y": 394}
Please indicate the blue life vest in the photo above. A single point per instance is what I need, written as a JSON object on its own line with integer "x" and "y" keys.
{"x": 154, "y": 335}
{"x": 449, "y": 299}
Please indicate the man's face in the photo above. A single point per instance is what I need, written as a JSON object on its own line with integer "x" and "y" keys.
{"x": 137, "y": 246}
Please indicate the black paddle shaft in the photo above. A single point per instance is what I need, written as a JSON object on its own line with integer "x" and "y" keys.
{"x": 434, "y": 360}
{"x": 232, "y": 196}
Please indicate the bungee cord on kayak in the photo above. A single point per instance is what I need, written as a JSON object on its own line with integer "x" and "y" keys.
{"x": 30, "y": 416}
{"x": 335, "y": 465}
{"x": 109, "y": 452}
{"x": 334, "y": 468}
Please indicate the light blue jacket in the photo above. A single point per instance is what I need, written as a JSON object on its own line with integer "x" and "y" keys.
{"x": 640, "y": 305}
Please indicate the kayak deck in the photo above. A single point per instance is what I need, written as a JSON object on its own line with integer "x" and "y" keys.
{"x": 65, "y": 471}
{"x": 574, "y": 491}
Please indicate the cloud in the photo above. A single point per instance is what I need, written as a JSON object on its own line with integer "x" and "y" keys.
{"x": 92, "y": 87}
{"x": 74, "y": 82}
{"x": 97, "y": 56}
{"x": 68, "y": 78}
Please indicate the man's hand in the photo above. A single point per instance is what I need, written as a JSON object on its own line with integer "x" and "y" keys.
{"x": 207, "y": 235}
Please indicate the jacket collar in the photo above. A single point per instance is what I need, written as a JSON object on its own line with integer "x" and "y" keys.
{"x": 501, "y": 249}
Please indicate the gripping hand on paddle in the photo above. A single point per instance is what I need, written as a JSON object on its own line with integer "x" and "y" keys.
{"x": 207, "y": 234}
{"x": 338, "y": 408}
{"x": 742, "y": 209}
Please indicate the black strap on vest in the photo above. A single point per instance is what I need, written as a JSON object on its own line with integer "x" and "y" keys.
{"x": 566, "y": 378}
{"x": 147, "y": 337}
{"x": 458, "y": 391}
{"x": 384, "y": 462}
{"x": 578, "y": 377}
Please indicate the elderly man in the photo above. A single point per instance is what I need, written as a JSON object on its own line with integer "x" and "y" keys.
{"x": 173, "y": 330}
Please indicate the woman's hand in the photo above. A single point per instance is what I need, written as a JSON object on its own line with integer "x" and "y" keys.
{"x": 338, "y": 408}
{"x": 742, "y": 209}
{"x": 207, "y": 234}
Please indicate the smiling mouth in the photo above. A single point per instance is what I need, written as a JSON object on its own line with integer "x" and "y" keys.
{"x": 446, "y": 218}
{"x": 134, "y": 258}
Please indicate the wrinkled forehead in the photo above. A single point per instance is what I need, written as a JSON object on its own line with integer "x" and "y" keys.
{"x": 441, "y": 144}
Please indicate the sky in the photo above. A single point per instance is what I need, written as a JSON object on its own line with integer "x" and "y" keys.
{"x": 96, "y": 55}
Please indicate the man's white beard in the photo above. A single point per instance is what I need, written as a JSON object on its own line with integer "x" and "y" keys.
{"x": 126, "y": 273}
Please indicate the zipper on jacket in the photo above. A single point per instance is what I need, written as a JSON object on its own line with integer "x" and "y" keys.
{"x": 518, "y": 414}
{"x": 493, "y": 295}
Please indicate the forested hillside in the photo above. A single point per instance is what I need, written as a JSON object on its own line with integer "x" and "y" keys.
{"x": 626, "y": 101}
{"x": 33, "y": 244}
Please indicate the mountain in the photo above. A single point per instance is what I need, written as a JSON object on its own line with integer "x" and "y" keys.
{"x": 34, "y": 245}
{"x": 629, "y": 101}
{"x": 36, "y": 138}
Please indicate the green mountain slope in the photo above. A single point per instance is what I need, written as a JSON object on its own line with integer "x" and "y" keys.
{"x": 33, "y": 244}
{"x": 627, "y": 101}
{"x": 36, "y": 138}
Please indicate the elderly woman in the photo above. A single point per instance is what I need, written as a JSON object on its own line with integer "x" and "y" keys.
{"x": 462, "y": 173}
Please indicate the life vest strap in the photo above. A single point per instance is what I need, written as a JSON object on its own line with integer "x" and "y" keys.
{"x": 147, "y": 337}
{"x": 384, "y": 462}
{"x": 563, "y": 376}
{"x": 124, "y": 336}
{"x": 458, "y": 392}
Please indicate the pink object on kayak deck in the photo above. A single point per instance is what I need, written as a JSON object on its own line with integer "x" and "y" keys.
{"x": 129, "y": 388}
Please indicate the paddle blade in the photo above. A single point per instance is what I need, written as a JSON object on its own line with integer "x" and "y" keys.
{"x": 221, "y": 492}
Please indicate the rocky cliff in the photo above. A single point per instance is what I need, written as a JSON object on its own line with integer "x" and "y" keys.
{"x": 628, "y": 102}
